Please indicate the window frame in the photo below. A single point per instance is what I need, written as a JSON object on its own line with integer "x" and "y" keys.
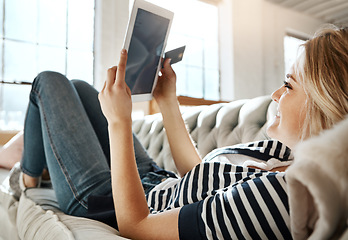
{"x": 65, "y": 48}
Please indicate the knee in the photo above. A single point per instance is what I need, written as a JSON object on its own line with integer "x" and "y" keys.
{"x": 83, "y": 88}
{"x": 49, "y": 78}
{"x": 45, "y": 75}
{"x": 79, "y": 84}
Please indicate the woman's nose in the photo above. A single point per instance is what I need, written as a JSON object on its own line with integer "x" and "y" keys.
{"x": 277, "y": 94}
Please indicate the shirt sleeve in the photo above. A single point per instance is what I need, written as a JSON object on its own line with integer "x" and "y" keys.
{"x": 189, "y": 221}
{"x": 255, "y": 209}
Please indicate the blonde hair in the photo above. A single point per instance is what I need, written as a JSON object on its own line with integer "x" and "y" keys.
{"x": 323, "y": 72}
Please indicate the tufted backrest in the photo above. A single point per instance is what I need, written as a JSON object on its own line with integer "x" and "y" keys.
{"x": 211, "y": 127}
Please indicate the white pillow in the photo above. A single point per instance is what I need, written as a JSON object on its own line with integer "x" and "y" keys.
{"x": 33, "y": 222}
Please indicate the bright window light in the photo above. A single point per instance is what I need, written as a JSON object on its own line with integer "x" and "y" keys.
{"x": 195, "y": 25}
{"x": 39, "y": 35}
{"x": 291, "y": 51}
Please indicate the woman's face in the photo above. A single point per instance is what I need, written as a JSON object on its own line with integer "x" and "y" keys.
{"x": 287, "y": 124}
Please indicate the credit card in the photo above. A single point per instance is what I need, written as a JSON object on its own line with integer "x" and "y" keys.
{"x": 176, "y": 55}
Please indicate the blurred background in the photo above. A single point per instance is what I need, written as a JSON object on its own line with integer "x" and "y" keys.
{"x": 234, "y": 48}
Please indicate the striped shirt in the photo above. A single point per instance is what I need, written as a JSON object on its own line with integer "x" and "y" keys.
{"x": 221, "y": 200}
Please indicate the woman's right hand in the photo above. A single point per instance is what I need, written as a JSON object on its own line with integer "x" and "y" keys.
{"x": 115, "y": 97}
{"x": 165, "y": 91}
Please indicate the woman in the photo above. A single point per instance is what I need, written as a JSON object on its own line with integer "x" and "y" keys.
{"x": 65, "y": 130}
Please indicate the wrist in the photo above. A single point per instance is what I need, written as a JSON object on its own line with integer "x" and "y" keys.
{"x": 167, "y": 102}
{"x": 117, "y": 124}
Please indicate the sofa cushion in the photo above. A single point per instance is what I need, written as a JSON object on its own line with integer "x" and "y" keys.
{"x": 211, "y": 127}
{"x": 8, "y": 211}
{"x": 37, "y": 216}
{"x": 43, "y": 220}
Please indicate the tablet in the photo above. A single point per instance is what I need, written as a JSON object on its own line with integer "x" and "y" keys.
{"x": 145, "y": 41}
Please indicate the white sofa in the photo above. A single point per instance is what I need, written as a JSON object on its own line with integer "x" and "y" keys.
{"x": 36, "y": 216}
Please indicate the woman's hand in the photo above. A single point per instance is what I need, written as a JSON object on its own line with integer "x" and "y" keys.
{"x": 115, "y": 97}
{"x": 166, "y": 85}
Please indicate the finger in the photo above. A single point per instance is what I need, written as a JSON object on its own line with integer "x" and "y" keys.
{"x": 167, "y": 68}
{"x": 121, "y": 69}
{"x": 167, "y": 62}
{"x": 162, "y": 62}
{"x": 110, "y": 80}
{"x": 129, "y": 92}
{"x": 103, "y": 86}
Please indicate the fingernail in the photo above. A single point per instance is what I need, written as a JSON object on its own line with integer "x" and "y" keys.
{"x": 123, "y": 51}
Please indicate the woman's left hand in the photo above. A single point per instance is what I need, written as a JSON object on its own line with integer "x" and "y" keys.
{"x": 115, "y": 97}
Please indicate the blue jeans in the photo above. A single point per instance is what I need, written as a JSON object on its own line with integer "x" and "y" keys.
{"x": 66, "y": 131}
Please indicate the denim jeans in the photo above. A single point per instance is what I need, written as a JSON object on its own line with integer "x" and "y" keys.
{"x": 66, "y": 132}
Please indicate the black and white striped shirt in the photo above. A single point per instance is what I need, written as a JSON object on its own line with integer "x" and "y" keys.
{"x": 221, "y": 200}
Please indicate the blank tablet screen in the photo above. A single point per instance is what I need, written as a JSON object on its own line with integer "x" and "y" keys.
{"x": 145, "y": 50}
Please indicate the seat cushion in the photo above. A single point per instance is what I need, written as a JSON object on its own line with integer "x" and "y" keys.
{"x": 37, "y": 216}
{"x": 33, "y": 222}
{"x": 8, "y": 209}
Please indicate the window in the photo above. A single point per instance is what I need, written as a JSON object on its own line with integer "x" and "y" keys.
{"x": 195, "y": 25}
{"x": 291, "y": 50}
{"x": 39, "y": 35}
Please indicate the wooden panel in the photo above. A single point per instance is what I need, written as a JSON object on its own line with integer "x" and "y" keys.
{"x": 189, "y": 101}
{"x": 5, "y": 136}
{"x": 183, "y": 101}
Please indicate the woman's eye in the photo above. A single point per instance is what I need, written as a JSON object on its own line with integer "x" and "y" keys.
{"x": 287, "y": 85}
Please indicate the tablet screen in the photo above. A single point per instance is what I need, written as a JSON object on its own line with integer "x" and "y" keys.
{"x": 145, "y": 50}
